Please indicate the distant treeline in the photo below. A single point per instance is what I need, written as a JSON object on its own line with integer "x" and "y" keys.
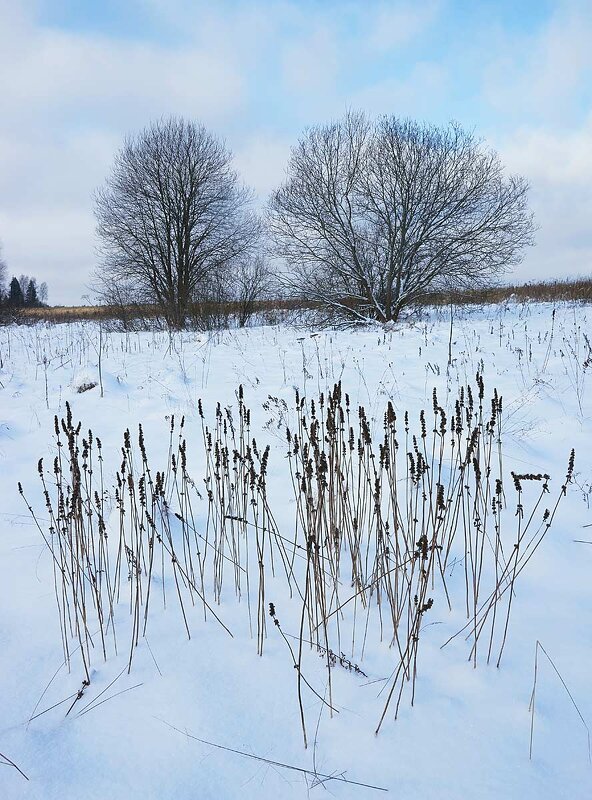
{"x": 220, "y": 314}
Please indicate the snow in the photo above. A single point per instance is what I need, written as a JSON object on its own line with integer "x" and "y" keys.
{"x": 468, "y": 731}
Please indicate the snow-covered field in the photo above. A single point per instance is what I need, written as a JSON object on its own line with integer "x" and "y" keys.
{"x": 160, "y": 729}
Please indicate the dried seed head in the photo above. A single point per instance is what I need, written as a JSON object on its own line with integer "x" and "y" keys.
{"x": 480, "y": 384}
{"x": 570, "y": 465}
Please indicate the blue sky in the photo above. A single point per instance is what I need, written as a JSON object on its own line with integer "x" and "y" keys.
{"x": 77, "y": 76}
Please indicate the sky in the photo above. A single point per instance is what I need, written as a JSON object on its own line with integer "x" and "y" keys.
{"x": 76, "y": 77}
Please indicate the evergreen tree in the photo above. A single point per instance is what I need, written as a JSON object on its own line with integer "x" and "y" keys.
{"x": 15, "y": 294}
{"x": 31, "y": 298}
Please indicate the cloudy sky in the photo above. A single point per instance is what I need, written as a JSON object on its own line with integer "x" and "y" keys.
{"x": 76, "y": 76}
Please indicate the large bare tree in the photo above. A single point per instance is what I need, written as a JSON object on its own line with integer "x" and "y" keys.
{"x": 252, "y": 282}
{"x": 374, "y": 214}
{"x": 171, "y": 217}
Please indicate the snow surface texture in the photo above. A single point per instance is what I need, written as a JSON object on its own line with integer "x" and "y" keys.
{"x": 468, "y": 732}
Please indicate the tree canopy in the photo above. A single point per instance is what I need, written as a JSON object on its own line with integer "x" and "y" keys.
{"x": 172, "y": 217}
{"x": 373, "y": 214}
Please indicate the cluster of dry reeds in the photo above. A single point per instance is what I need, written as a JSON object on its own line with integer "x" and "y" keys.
{"x": 388, "y": 524}
{"x": 383, "y": 517}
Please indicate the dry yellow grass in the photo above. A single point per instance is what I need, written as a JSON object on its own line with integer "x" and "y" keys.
{"x": 63, "y": 312}
{"x": 546, "y": 291}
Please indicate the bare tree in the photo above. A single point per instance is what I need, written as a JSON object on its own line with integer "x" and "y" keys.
{"x": 252, "y": 282}
{"x": 374, "y": 214}
{"x": 171, "y": 215}
{"x": 24, "y": 281}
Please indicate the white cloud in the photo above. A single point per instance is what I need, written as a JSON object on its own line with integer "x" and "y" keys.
{"x": 311, "y": 62}
{"x": 558, "y": 166}
{"x": 395, "y": 25}
{"x": 262, "y": 161}
{"x": 415, "y": 94}
{"x": 539, "y": 73}
{"x": 552, "y": 158}
{"x": 60, "y": 73}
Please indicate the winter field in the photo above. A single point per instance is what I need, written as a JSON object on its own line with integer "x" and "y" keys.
{"x": 138, "y": 655}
